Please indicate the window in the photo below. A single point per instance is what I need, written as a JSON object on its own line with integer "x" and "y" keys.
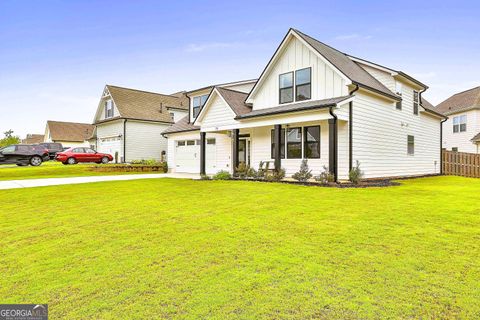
{"x": 411, "y": 145}
{"x": 190, "y": 142}
{"x": 88, "y": 150}
{"x": 294, "y": 143}
{"x": 460, "y": 124}
{"x": 172, "y": 116}
{"x": 311, "y": 148}
{"x": 282, "y": 144}
{"x": 198, "y": 103}
{"x": 286, "y": 87}
{"x": 455, "y": 149}
{"x": 78, "y": 150}
{"x": 398, "y": 88}
{"x": 399, "y": 105}
{"x": 9, "y": 149}
{"x": 108, "y": 109}
{"x": 180, "y": 143}
{"x": 416, "y": 99}
{"x": 303, "y": 84}
{"x": 211, "y": 141}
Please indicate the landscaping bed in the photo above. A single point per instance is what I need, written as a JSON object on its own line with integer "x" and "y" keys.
{"x": 130, "y": 168}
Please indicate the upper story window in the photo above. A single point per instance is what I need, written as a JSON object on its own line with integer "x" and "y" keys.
{"x": 286, "y": 87}
{"x": 198, "y": 103}
{"x": 303, "y": 84}
{"x": 108, "y": 109}
{"x": 460, "y": 124}
{"x": 416, "y": 101}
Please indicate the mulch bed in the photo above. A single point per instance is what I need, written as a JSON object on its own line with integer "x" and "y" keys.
{"x": 128, "y": 168}
{"x": 362, "y": 184}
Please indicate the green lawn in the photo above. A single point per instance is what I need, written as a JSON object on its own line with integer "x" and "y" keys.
{"x": 149, "y": 249}
{"x": 52, "y": 169}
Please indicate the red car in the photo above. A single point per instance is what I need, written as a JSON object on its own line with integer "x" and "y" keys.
{"x": 75, "y": 155}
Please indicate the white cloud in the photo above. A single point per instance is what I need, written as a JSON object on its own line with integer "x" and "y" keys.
{"x": 353, "y": 36}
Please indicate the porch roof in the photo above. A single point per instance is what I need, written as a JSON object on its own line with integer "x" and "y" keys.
{"x": 294, "y": 107}
{"x": 182, "y": 125}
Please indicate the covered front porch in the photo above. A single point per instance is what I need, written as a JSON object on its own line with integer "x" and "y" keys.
{"x": 283, "y": 142}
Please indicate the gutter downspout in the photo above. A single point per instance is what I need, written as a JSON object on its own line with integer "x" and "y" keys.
{"x": 350, "y": 131}
{"x": 124, "y": 141}
{"x": 334, "y": 141}
{"x": 441, "y": 145}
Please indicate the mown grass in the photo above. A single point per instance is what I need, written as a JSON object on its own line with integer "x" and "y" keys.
{"x": 52, "y": 169}
{"x": 149, "y": 249}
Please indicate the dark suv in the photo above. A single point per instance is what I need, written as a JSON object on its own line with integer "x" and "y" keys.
{"x": 23, "y": 155}
{"x": 52, "y": 148}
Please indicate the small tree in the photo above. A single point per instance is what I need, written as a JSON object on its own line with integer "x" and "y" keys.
{"x": 355, "y": 175}
{"x": 304, "y": 173}
{"x": 325, "y": 177}
{"x": 9, "y": 139}
{"x": 276, "y": 175}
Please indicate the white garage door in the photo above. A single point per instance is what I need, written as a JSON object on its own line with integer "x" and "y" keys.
{"x": 110, "y": 146}
{"x": 187, "y": 156}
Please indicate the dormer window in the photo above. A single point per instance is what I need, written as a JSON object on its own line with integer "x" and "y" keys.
{"x": 198, "y": 103}
{"x": 303, "y": 84}
{"x": 108, "y": 109}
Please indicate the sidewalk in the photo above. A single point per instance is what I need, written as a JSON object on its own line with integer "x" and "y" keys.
{"x": 30, "y": 183}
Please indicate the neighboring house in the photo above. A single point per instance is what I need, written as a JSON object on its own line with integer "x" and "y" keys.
{"x": 313, "y": 102}
{"x": 69, "y": 134}
{"x": 33, "y": 138}
{"x": 129, "y": 122}
{"x": 461, "y": 132}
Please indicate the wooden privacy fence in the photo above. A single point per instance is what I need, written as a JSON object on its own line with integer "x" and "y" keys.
{"x": 461, "y": 164}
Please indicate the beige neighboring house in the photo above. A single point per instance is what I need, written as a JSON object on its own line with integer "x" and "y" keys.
{"x": 461, "y": 132}
{"x": 129, "y": 122}
{"x": 33, "y": 138}
{"x": 69, "y": 134}
{"x": 312, "y": 102}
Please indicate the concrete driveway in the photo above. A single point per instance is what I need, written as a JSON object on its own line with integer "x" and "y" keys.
{"x": 30, "y": 183}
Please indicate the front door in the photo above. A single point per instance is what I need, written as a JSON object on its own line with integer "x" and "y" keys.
{"x": 244, "y": 151}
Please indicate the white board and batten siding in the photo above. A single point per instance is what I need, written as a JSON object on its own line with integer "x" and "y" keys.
{"x": 144, "y": 140}
{"x": 326, "y": 82}
{"x": 462, "y": 140}
{"x": 380, "y": 134}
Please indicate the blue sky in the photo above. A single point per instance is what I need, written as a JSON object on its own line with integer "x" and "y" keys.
{"x": 56, "y": 56}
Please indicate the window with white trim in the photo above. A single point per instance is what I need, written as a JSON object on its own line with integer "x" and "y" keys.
{"x": 411, "y": 145}
{"x": 108, "y": 109}
{"x": 460, "y": 123}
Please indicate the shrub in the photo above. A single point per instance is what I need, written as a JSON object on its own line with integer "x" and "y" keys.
{"x": 204, "y": 177}
{"x": 355, "y": 175}
{"x": 252, "y": 173}
{"x": 242, "y": 170}
{"x": 325, "y": 177}
{"x": 261, "y": 170}
{"x": 304, "y": 173}
{"x": 275, "y": 175}
{"x": 222, "y": 175}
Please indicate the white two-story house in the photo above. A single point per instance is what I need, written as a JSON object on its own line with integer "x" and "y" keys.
{"x": 317, "y": 103}
{"x": 461, "y": 132}
{"x": 129, "y": 122}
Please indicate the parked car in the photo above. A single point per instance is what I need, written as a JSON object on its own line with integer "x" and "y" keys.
{"x": 23, "y": 155}
{"x": 52, "y": 147}
{"x": 78, "y": 154}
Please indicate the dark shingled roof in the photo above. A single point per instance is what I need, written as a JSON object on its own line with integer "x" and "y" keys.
{"x": 476, "y": 138}
{"x": 69, "y": 131}
{"x": 347, "y": 66}
{"x": 462, "y": 101}
{"x": 294, "y": 107}
{"x": 181, "y": 125}
{"x": 235, "y": 99}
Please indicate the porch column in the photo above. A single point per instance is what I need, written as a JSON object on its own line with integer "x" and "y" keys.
{"x": 235, "y": 146}
{"x": 277, "y": 143}
{"x": 202, "y": 152}
{"x": 332, "y": 147}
